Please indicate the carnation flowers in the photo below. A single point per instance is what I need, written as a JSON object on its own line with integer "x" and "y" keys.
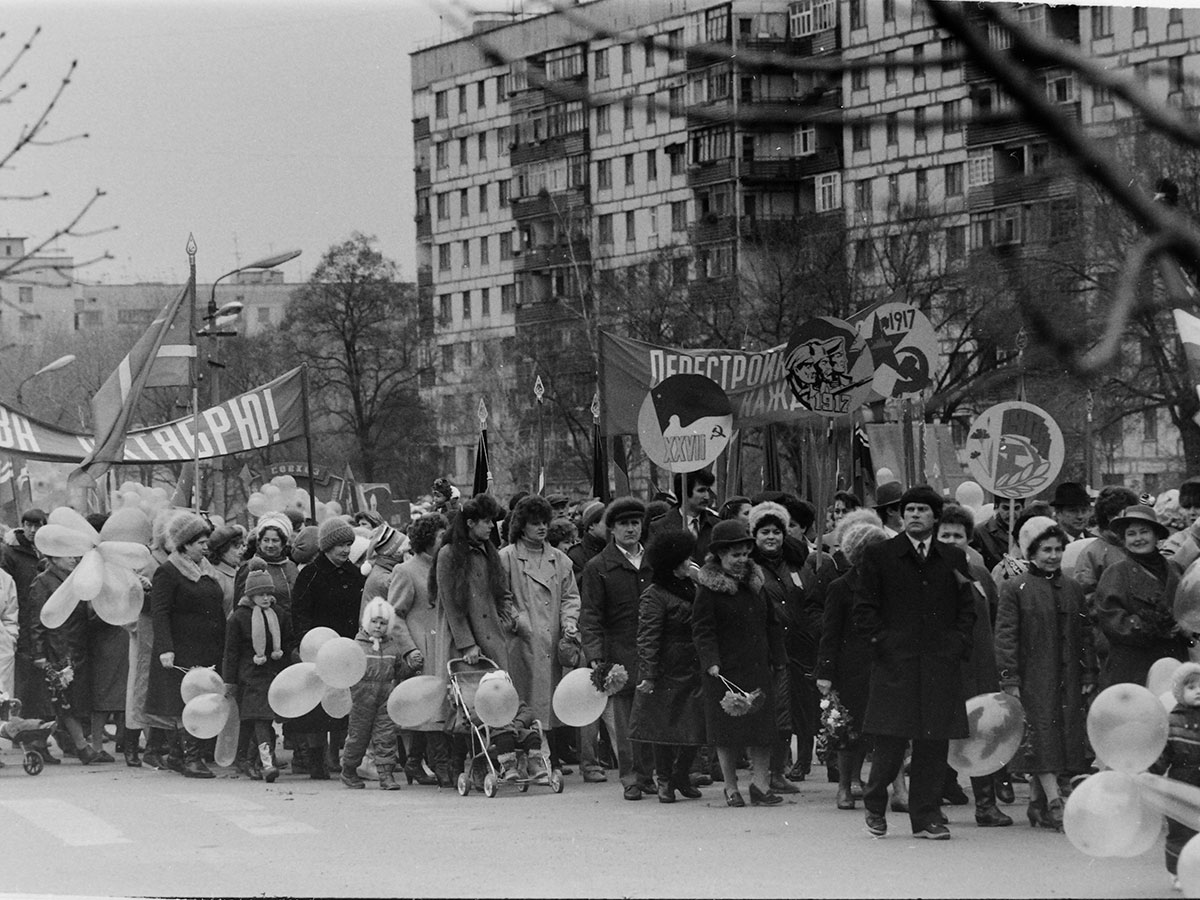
{"x": 738, "y": 702}
{"x": 838, "y": 723}
{"x": 609, "y": 678}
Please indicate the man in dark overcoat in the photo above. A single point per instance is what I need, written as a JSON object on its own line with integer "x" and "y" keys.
{"x": 914, "y": 606}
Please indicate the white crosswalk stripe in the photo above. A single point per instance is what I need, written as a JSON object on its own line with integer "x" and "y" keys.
{"x": 71, "y": 824}
{"x": 245, "y": 814}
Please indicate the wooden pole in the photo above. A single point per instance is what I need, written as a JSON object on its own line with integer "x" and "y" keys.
{"x": 312, "y": 483}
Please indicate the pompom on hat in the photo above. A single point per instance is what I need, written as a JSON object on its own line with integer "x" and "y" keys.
{"x": 333, "y": 531}
{"x": 258, "y": 580}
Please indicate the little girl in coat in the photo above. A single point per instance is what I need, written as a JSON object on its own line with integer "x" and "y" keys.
{"x": 369, "y": 719}
{"x": 1180, "y": 759}
{"x": 255, "y": 637}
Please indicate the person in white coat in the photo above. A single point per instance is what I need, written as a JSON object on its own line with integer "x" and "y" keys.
{"x": 8, "y": 633}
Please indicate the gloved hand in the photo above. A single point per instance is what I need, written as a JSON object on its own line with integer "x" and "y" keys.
{"x": 646, "y": 686}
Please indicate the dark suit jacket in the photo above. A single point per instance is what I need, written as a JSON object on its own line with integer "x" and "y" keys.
{"x": 918, "y": 618}
{"x": 673, "y": 520}
{"x": 610, "y": 594}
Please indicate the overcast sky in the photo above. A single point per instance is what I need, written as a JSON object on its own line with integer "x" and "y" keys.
{"x": 257, "y": 125}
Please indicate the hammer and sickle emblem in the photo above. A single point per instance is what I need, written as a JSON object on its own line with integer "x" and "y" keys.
{"x": 717, "y": 432}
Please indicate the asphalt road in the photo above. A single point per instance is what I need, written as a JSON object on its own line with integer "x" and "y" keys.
{"x": 111, "y": 830}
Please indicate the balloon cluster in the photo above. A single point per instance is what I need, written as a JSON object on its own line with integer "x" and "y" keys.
{"x": 109, "y": 561}
{"x": 281, "y": 494}
{"x": 970, "y": 495}
{"x": 208, "y": 713}
{"x": 135, "y": 495}
{"x": 329, "y": 666}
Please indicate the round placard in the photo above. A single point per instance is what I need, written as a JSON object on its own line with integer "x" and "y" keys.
{"x": 903, "y": 347}
{"x": 685, "y": 422}
{"x": 829, "y": 367}
{"x": 1014, "y": 449}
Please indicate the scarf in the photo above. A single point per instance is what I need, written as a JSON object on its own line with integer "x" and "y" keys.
{"x": 192, "y": 571}
{"x": 1154, "y": 563}
{"x": 262, "y": 621}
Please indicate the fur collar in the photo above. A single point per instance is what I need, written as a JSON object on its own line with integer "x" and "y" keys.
{"x": 193, "y": 572}
{"x": 713, "y": 577}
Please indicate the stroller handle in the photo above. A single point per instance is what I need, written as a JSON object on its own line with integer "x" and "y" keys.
{"x": 462, "y": 659}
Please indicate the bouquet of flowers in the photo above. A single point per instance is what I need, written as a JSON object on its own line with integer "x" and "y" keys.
{"x": 738, "y": 702}
{"x": 609, "y": 678}
{"x": 840, "y": 728}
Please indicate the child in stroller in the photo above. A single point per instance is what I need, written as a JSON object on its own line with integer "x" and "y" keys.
{"x": 29, "y": 735}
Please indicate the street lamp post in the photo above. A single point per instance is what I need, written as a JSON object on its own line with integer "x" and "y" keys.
{"x": 61, "y": 363}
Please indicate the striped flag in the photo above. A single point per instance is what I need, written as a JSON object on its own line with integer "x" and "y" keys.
{"x": 1189, "y": 336}
{"x": 161, "y": 357}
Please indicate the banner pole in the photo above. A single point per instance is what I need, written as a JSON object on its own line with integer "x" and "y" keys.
{"x": 312, "y": 485}
{"x": 196, "y": 375}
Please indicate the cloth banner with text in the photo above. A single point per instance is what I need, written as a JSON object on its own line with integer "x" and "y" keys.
{"x": 269, "y": 414}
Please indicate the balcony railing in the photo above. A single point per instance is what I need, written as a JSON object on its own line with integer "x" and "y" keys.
{"x": 998, "y": 131}
{"x": 424, "y": 277}
{"x": 424, "y": 227}
{"x": 1022, "y": 189}
{"x": 713, "y": 228}
{"x": 422, "y": 176}
{"x": 700, "y": 56}
{"x": 547, "y": 204}
{"x": 714, "y": 172}
{"x": 576, "y": 253}
{"x": 549, "y": 148}
{"x": 793, "y": 168}
{"x": 420, "y": 128}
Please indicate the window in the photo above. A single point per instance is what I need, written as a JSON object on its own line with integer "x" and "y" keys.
{"x": 889, "y": 67}
{"x": 604, "y": 174}
{"x": 654, "y": 220}
{"x": 604, "y": 228}
{"x": 483, "y": 198}
{"x": 439, "y": 105}
{"x": 829, "y": 191}
{"x": 812, "y": 16}
{"x": 1062, "y": 88}
{"x": 466, "y": 254}
{"x": 629, "y": 170}
{"x": 679, "y": 270}
{"x": 1174, "y": 15}
{"x": 922, "y": 194}
{"x": 484, "y": 255}
{"x": 485, "y": 303}
{"x": 675, "y": 101}
{"x": 860, "y": 136}
{"x": 508, "y": 297}
{"x": 710, "y": 144}
{"x": 651, "y": 108}
{"x": 952, "y": 121}
{"x": 856, "y": 15}
{"x": 919, "y": 123}
{"x": 950, "y": 55}
{"x": 506, "y": 250}
{"x": 979, "y": 167}
{"x": 953, "y": 174}
{"x": 892, "y": 128}
{"x": 630, "y": 226}
{"x": 448, "y": 357}
{"x": 1101, "y": 95}
{"x": 675, "y": 45}
{"x": 443, "y": 257}
{"x": 564, "y": 63}
{"x": 600, "y": 63}
{"x": 889, "y": 10}
{"x": 463, "y": 205}
{"x": 462, "y": 99}
{"x": 652, "y": 165}
{"x": 956, "y": 243}
{"x": 480, "y": 94}
{"x": 603, "y": 120}
{"x": 442, "y": 155}
{"x": 444, "y": 313}
{"x": 675, "y": 153}
{"x": 1175, "y": 74}
{"x": 679, "y": 215}
{"x": 918, "y": 61}
{"x": 1150, "y": 424}
{"x": 1139, "y": 18}
{"x": 627, "y": 113}
{"x": 1102, "y": 21}
{"x": 1007, "y": 229}
{"x": 716, "y": 24}
{"x": 863, "y": 201}
{"x": 893, "y": 188}
{"x": 505, "y": 190}
{"x": 577, "y": 167}
{"x": 502, "y": 86}
{"x": 858, "y": 78}
{"x": 804, "y": 141}
{"x": 442, "y": 202}
{"x": 998, "y": 36}
{"x": 864, "y": 256}
{"x": 481, "y": 143}
{"x": 626, "y": 59}
{"x": 648, "y": 49}
{"x": 462, "y": 152}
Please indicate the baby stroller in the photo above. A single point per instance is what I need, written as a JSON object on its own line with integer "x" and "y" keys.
{"x": 26, "y": 734}
{"x": 480, "y": 772}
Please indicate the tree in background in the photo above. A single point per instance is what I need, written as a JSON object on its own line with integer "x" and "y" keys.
{"x": 356, "y": 326}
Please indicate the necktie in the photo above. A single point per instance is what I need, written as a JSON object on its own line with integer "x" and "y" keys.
{"x": 921, "y": 550}
{"x": 694, "y": 526}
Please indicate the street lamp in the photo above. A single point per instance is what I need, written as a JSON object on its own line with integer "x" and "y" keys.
{"x": 61, "y": 363}
{"x": 268, "y": 262}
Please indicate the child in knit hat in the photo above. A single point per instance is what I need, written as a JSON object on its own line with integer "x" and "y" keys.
{"x": 255, "y": 638}
{"x": 1180, "y": 759}
{"x": 369, "y": 719}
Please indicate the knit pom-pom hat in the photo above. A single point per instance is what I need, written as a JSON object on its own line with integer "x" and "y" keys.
{"x": 1186, "y": 672}
{"x": 258, "y": 579}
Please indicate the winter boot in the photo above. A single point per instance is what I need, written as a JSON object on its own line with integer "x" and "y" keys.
{"x": 129, "y": 746}
{"x": 414, "y": 770}
{"x": 350, "y": 777}
{"x": 318, "y": 770}
{"x": 845, "y": 799}
{"x": 155, "y": 754}
{"x": 175, "y": 752}
{"x": 264, "y": 767}
{"x": 193, "y": 758}
{"x": 508, "y": 767}
{"x": 987, "y": 813}
{"x": 387, "y": 779}
{"x": 536, "y": 767}
{"x": 300, "y": 764}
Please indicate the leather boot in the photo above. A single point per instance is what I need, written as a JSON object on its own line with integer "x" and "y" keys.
{"x": 129, "y": 746}
{"x": 781, "y": 785}
{"x": 845, "y": 800}
{"x": 155, "y": 755}
{"x": 175, "y": 754}
{"x": 318, "y": 768}
{"x": 1004, "y": 788}
{"x": 682, "y": 782}
{"x": 387, "y": 780}
{"x": 666, "y": 793}
{"x": 193, "y": 758}
{"x": 267, "y": 768}
{"x": 987, "y": 814}
{"x": 414, "y": 770}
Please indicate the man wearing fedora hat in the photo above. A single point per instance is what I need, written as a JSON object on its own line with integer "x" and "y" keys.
{"x": 1072, "y": 509}
{"x": 887, "y": 506}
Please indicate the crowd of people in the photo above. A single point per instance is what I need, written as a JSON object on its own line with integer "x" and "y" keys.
{"x": 752, "y": 636}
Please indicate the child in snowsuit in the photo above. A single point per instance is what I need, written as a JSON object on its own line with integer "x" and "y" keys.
{"x": 255, "y": 636}
{"x": 518, "y": 749}
{"x": 369, "y": 719}
{"x": 1180, "y": 759}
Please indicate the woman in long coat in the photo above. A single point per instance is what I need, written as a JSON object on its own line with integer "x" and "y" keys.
{"x": 1134, "y": 601}
{"x": 541, "y": 579}
{"x": 667, "y": 705}
{"x": 189, "y": 631}
{"x": 417, "y": 633}
{"x": 739, "y": 641}
{"x": 1045, "y": 657}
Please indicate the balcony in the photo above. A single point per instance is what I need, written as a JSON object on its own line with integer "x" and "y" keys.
{"x": 792, "y": 168}
{"x": 713, "y": 228}
{"x": 420, "y": 128}
{"x": 424, "y": 227}
{"x": 712, "y": 290}
{"x": 996, "y": 130}
{"x": 793, "y": 229}
{"x": 547, "y": 204}
{"x": 422, "y": 176}
{"x": 424, "y": 277}
{"x": 549, "y": 148}
{"x": 713, "y": 172}
{"x": 768, "y": 112}
{"x": 700, "y": 56}
{"x": 1023, "y": 189}
{"x": 577, "y": 252}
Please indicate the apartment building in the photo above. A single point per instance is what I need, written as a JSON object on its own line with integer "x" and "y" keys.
{"x": 558, "y": 155}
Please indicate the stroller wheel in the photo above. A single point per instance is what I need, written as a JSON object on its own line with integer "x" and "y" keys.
{"x": 464, "y": 784}
{"x": 523, "y": 787}
{"x": 32, "y": 764}
{"x": 489, "y": 785}
{"x": 556, "y": 782}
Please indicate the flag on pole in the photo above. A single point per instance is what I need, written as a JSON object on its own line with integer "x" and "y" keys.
{"x": 23, "y": 485}
{"x": 8, "y": 490}
{"x": 161, "y": 356}
{"x": 600, "y": 489}
{"x": 1189, "y": 336}
{"x": 352, "y": 494}
{"x": 620, "y": 466}
{"x": 483, "y": 464}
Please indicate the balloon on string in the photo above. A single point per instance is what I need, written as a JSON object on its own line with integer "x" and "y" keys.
{"x": 576, "y": 701}
{"x": 129, "y": 525}
{"x": 205, "y": 716}
{"x": 1071, "y": 554}
{"x": 333, "y": 508}
{"x": 256, "y": 504}
{"x": 120, "y": 599}
{"x": 59, "y": 540}
{"x": 199, "y": 681}
{"x": 415, "y": 701}
{"x": 225, "y": 751}
{"x": 496, "y": 700}
{"x": 883, "y": 475}
{"x": 313, "y": 640}
{"x": 1188, "y": 870}
{"x": 64, "y": 515}
{"x": 1107, "y": 816}
{"x": 337, "y": 702}
{"x": 997, "y": 724}
{"x": 296, "y": 690}
{"x": 284, "y": 482}
{"x": 341, "y": 662}
{"x": 1127, "y": 726}
{"x": 969, "y": 494}
{"x": 89, "y": 575}
{"x": 1160, "y": 675}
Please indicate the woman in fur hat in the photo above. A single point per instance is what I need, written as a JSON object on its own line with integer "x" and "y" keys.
{"x": 740, "y": 644}
{"x": 225, "y": 547}
{"x": 271, "y": 537}
{"x": 1045, "y": 657}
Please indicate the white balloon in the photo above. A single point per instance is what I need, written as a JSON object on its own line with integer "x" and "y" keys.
{"x": 64, "y": 515}
{"x": 59, "y": 540}
{"x": 89, "y": 575}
